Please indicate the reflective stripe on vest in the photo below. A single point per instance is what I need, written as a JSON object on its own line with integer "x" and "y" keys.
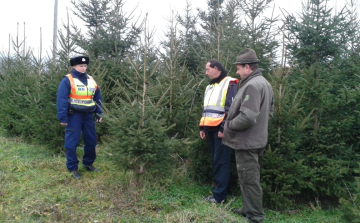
{"x": 214, "y": 103}
{"x": 81, "y": 94}
{"x": 76, "y": 101}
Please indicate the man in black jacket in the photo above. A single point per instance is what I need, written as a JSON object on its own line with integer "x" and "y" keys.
{"x": 217, "y": 100}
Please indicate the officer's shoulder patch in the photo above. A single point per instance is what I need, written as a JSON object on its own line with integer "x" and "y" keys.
{"x": 247, "y": 97}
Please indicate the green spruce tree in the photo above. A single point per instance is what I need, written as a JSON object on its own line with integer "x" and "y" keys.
{"x": 316, "y": 45}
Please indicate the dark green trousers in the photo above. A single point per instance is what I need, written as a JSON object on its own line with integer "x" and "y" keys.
{"x": 248, "y": 168}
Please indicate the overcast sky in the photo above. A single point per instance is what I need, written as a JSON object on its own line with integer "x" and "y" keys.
{"x": 39, "y": 14}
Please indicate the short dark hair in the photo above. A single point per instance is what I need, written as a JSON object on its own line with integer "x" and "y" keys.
{"x": 218, "y": 65}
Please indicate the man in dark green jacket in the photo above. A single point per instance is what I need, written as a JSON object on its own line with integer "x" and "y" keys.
{"x": 246, "y": 131}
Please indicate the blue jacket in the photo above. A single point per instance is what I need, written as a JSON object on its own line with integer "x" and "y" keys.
{"x": 63, "y": 93}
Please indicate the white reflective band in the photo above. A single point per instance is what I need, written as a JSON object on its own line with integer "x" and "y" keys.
{"x": 212, "y": 115}
{"x": 215, "y": 108}
{"x": 76, "y": 101}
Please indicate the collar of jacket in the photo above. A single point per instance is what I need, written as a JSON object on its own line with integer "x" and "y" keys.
{"x": 255, "y": 73}
{"x": 219, "y": 78}
{"x": 77, "y": 74}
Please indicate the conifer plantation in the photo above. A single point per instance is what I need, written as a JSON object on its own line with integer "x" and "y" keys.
{"x": 153, "y": 91}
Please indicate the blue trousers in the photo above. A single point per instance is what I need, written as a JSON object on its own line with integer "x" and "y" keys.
{"x": 221, "y": 159}
{"x": 77, "y": 123}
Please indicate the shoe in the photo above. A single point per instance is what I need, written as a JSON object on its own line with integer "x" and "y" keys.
{"x": 239, "y": 212}
{"x": 211, "y": 199}
{"x": 75, "y": 174}
{"x": 91, "y": 168}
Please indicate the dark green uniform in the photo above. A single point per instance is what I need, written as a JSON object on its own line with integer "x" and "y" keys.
{"x": 246, "y": 131}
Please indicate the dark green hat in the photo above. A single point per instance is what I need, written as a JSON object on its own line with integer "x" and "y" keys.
{"x": 79, "y": 59}
{"x": 247, "y": 56}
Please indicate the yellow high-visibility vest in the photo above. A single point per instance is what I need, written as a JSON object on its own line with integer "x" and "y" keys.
{"x": 81, "y": 95}
{"x": 214, "y": 103}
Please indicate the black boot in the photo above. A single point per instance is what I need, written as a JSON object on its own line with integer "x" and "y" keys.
{"x": 75, "y": 174}
{"x": 91, "y": 168}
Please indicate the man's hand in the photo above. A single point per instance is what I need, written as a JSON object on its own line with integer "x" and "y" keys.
{"x": 62, "y": 123}
{"x": 220, "y": 135}
{"x": 99, "y": 120}
{"x": 202, "y": 135}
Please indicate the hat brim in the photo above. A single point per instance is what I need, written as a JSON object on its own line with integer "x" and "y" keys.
{"x": 246, "y": 62}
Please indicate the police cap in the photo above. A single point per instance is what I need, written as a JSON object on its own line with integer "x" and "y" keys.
{"x": 79, "y": 59}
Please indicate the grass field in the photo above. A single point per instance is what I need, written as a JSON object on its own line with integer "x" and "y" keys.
{"x": 36, "y": 187}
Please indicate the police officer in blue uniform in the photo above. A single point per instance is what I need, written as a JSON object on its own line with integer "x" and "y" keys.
{"x": 78, "y": 99}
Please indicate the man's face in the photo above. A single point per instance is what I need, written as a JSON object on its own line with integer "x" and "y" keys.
{"x": 80, "y": 68}
{"x": 212, "y": 73}
{"x": 243, "y": 72}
